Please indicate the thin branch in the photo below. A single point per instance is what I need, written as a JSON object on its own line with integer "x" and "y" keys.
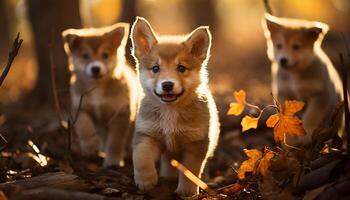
{"x": 6, "y": 142}
{"x": 267, "y": 6}
{"x": 13, "y": 53}
{"x": 74, "y": 120}
{"x": 53, "y": 83}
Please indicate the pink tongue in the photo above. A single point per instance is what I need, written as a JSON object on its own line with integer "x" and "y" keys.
{"x": 169, "y": 96}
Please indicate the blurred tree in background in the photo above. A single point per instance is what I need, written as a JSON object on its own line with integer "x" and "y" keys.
{"x": 4, "y": 30}
{"x": 128, "y": 14}
{"x": 48, "y": 18}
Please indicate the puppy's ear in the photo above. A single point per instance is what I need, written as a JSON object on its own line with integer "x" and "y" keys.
{"x": 317, "y": 31}
{"x": 71, "y": 39}
{"x": 118, "y": 34}
{"x": 271, "y": 24}
{"x": 199, "y": 42}
{"x": 142, "y": 37}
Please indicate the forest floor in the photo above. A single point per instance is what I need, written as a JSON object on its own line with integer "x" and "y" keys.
{"x": 38, "y": 163}
{"x": 41, "y": 162}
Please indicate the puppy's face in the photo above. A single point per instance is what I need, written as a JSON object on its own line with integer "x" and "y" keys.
{"x": 169, "y": 68}
{"x": 94, "y": 52}
{"x": 293, "y": 45}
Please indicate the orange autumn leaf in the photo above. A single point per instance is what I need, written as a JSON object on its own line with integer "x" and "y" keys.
{"x": 249, "y": 165}
{"x": 257, "y": 163}
{"x": 249, "y": 122}
{"x": 236, "y": 108}
{"x": 286, "y": 122}
{"x": 264, "y": 163}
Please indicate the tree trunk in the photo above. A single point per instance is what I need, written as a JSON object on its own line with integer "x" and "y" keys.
{"x": 128, "y": 15}
{"x": 48, "y": 18}
{"x": 202, "y": 13}
{"x": 4, "y": 31}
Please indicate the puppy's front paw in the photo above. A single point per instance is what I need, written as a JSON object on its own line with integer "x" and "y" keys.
{"x": 146, "y": 180}
{"x": 186, "y": 190}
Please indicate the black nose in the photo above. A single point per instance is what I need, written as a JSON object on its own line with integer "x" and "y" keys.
{"x": 167, "y": 86}
{"x": 283, "y": 62}
{"x": 95, "y": 70}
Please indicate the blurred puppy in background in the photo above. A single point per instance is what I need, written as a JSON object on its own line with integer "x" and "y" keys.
{"x": 100, "y": 73}
{"x": 178, "y": 116}
{"x": 301, "y": 70}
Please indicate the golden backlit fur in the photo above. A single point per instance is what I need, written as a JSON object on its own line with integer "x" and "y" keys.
{"x": 110, "y": 99}
{"x": 181, "y": 124}
{"x": 308, "y": 74}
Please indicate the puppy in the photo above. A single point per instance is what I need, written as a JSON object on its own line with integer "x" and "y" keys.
{"x": 108, "y": 87}
{"x": 177, "y": 116}
{"x": 301, "y": 70}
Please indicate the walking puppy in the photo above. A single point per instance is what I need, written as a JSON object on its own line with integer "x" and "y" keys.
{"x": 99, "y": 72}
{"x": 178, "y": 116}
{"x": 301, "y": 70}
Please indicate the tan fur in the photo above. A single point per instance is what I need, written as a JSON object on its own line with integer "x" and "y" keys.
{"x": 186, "y": 129}
{"x": 109, "y": 103}
{"x": 310, "y": 77}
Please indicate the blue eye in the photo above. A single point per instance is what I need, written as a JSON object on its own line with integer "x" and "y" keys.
{"x": 155, "y": 69}
{"x": 181, "y": 68}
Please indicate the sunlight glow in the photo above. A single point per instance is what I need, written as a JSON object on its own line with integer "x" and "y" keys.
{"x": 39, "y": 158}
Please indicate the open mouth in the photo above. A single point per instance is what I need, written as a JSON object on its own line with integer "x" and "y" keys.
{"x": 168, "y": 97}
{"x": 96, "y": 76}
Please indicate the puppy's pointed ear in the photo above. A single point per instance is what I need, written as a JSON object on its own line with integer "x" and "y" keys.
{"x": 199, "y": 42}
{"x": 142, "y": 37}
{"x": 271, "y": 24}
{"x": 317, "y": 31}
{"x": 71, "y": 40}
{"x": 118, "y": 34}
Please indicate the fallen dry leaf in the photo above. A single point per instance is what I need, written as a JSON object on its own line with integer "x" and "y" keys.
{"x": 265, "y": 163}
{"x": 286, "y": 122}
{"x": 236, "y": 108}
{"x": 258, "y": 163}
{"x": 249, "y": 165}
{"x": 249, "y": 122}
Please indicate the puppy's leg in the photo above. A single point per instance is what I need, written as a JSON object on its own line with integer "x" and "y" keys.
{"x": 194, "y": 158}
{"x": 313, "y": 116}
{"x": 146, "y": 153}
{"x": 117, "y": 137}
{"x": 166, "y": 170}
{"x": 85, "y": 129}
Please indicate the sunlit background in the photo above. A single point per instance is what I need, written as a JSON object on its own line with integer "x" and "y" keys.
{"x": 239, "y": 51}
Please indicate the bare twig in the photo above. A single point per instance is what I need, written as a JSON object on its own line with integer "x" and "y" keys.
{"x": 267, "y": 6}
{"x": 66, "y": 129}
{"x": 6, "y": 143}
{"x": 74, "y": 120}
{"x": 53, "y": 83}
{"x": 346, "y": 103}
{"x": 13, "y": 53}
